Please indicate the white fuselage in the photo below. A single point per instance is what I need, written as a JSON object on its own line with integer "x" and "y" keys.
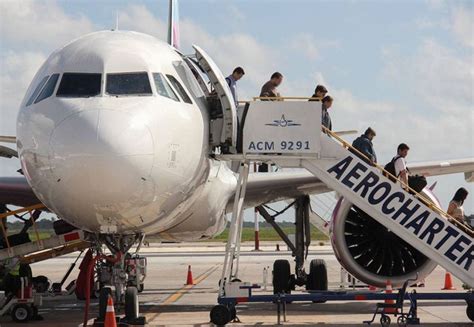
{"x": 124, "y": 163}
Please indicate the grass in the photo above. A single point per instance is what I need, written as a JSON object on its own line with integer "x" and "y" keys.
{"x": 248, "y": 234}
{"x": 42, "y": 234}
{"x": 268, "y": 234}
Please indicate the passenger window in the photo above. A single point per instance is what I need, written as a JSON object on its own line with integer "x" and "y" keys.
{"x": 48, "y": 88}
{"x": 163, "y": 88}
{"x": 79, "y": 85}
{"x": 37, "y": 91}
{"x": 128, "y": 84}
{"x": 179, "y": 88}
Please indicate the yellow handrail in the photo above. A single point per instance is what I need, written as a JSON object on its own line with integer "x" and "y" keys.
{"x": 281, "y": 99}
{"x": 25, "y": 209}
{"x": 420, "y": 196}
{"x": 14, "y": 212}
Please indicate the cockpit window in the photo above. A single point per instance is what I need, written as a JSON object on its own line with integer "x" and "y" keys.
{"x": 37, "y": 91}
{"x": 48, "y": 89}
{"x": 128, "y": 84}
{"x": 79, "y": 85}
{"x": 179, "y": 88}
{"x": 163, "y": 88}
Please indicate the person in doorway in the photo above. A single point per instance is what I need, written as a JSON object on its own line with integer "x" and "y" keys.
{"x": 232, "y": 79}
{"x": 455, "y": 208}
{"x": 269, "y": 89}
{"x": 325, "y": 117}
{"x": 364, "y": 145}
{"x": 319, "y": 93}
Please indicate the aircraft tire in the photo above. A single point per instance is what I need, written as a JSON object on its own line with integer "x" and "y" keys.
{"x": 470, "y": 311}
{"x": 103, "y": 298}
{"x": 220, "y": 315}
{"x": 131, "y": 303}
{"x": 317, "y": 277}
{"x": 281, "y": 277}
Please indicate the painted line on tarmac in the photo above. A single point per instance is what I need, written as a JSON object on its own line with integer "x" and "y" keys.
{"x": 179, "y": 293}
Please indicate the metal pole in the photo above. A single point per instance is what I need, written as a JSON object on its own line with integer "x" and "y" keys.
{"x": 257, "y": 229}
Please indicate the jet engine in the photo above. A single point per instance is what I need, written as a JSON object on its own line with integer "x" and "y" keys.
{"x": 371, "y": 252}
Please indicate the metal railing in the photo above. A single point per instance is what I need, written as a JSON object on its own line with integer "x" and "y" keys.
{"x": 3, "y": 222}
{"x": 281, "y": 99}
{"x": 468, "y": 229}
{"x": 464, "y": 226}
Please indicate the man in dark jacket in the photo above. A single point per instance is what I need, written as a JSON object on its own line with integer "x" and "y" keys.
{"x": 269, "y": 89}
{"x": 319, "y": 93}
{"x": 364, "y": 144}
{"x": 325, "y": 117}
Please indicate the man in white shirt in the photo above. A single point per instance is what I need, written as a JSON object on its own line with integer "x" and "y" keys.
{"x": 400, "y": 164}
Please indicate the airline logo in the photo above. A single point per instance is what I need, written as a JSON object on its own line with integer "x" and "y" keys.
{"x": 406, "y": 210}
{"x": 283, "y": 122}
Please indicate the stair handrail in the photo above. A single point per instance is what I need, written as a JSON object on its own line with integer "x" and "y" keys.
{"x": 28, "y": 209}
{"x": 468, "y": 229}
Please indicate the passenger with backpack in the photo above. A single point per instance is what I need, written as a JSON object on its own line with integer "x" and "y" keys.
{"x": 398, "y": 168}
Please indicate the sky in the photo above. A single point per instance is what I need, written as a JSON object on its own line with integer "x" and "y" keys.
{"x": 405, "y": 68}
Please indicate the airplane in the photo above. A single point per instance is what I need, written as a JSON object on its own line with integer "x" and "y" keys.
{"x": 118, "y": 134}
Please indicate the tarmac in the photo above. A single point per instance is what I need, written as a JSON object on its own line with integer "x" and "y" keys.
{"x": 166, "y": 301}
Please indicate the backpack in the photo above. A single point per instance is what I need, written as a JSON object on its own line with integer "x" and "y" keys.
{"x": 417, "y": 182}
{"x": 390, "y": 167}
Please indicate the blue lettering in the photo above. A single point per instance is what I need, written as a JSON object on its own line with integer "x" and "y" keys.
{"x": 468, "y": 256}
{"x": 418, "y": 222}
{"x": 370, "y": 180}
{"x": 340, "y": 167}
{"x": 408, "y": 212}
{"x": 449, "y": 233}
{"x": 353, "y": 173}
{"x": 385, "y": 209}
{"x": 252, "y": 146}
{"x": 457, "y": 246}
{"x": 433, "y": 228}
{"x": 386, "y": 190}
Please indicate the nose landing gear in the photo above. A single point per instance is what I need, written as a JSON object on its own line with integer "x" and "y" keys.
{"x": 126, "y": 276}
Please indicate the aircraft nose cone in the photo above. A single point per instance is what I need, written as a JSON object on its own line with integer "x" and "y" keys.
{"x": 102, "y": 161}
{"x": 101, "y": 133}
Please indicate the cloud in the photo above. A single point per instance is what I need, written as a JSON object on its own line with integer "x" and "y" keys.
{"x": 462, "y": 24}
{"x": 438, "y": 75}
{"x": 229, "y": 51}
{"x": 310, "y": 46}
{"x": 17, "y": 71}
{"x": 32, "y": 24}
{"x": 139, "y": 18}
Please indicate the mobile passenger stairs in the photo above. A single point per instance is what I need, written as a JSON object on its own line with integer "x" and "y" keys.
{"x": 18, "y": 249}
{"x": 285, "y": 133}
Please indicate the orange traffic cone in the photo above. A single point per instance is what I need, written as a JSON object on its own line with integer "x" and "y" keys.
{"x": 110, "y": 314}
{"x": 388, "y": 290}
{"x": 189, "y": 279}
{"x": 448, "y": 282}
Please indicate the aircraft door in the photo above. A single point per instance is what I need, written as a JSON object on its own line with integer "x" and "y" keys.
{"x": 224, "y": 118}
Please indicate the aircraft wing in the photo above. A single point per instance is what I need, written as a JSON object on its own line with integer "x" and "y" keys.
{"x": 443, "y": 167}
{"x": 272, "y": 187}
{"x": 16, "y": 191}
{"x": 6, "y": 151}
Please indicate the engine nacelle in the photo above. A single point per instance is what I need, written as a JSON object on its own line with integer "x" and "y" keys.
{"x": 372, "y": 253}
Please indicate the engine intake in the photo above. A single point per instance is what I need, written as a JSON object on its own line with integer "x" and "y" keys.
{"x": 371, "y": 252}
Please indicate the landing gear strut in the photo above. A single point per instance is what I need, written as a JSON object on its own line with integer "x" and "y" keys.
{"x": 317, "y": 277}
{"x": 120, "y": 275}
